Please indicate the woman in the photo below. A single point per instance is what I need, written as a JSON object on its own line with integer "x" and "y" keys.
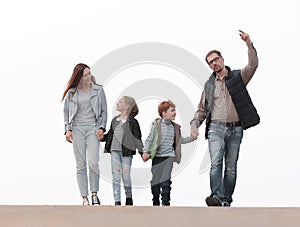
{"x": 85, "y": 116}
{"x": 122, "y": 141}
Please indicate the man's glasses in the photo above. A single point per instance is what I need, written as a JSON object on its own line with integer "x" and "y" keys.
{"x": 216, "y": 59}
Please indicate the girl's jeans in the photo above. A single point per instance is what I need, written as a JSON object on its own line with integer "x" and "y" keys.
{"x": 121, "y": 168}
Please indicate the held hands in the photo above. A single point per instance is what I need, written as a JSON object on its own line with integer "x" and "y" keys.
{"x": 194, "y": 133}
{"x": 69, "y": 136}
{"x": 100, "y": 134}
{"x": 245, "y": 37}
{"x": 145, "y": 157}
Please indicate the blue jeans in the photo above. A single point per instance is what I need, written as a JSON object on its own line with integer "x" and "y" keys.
{"x": 86, "y": 151}
{"x": 224, "y": 146}
{"x": 121, "y": 168}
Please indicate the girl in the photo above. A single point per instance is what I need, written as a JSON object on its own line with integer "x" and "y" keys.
{"x": 122, "y": 140}
{"x": 85, "y": 116}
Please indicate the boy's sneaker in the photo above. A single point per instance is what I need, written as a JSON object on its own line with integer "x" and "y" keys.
{"x": 118, "y": 203}
{"x": 95, "y": 200}
{"x": 212, "y": 201}
{"x": 156, "y": 201}
{"x": 85, "y": 202}
{"x": 165, "y": 203}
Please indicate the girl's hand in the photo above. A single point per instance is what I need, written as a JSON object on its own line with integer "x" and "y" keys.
{"x": 145, "y": 157}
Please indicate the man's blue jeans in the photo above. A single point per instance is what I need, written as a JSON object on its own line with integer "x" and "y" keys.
{"x": 224, "y": 146}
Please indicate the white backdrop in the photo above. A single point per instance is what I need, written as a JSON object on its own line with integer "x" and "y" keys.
{"x": 42, "y": 41}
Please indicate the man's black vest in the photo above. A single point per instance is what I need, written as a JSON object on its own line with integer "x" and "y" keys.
{"x": 241, "y": 99}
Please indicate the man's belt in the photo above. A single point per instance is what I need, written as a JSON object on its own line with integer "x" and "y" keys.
{"x": 227, "y": 124}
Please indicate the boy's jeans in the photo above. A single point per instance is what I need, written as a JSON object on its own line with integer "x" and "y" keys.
{"x": 161, "y": 179}
{"x": 224, "y": 143}
{"x": 121, "y": 168}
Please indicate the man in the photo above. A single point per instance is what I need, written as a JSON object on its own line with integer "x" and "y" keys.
{"x": 228, "y": 110}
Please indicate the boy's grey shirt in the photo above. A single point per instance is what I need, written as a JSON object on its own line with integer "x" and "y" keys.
{"x": 165, "y": 148}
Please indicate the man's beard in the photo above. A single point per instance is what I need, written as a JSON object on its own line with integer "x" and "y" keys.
{"x": 219, "y": 69}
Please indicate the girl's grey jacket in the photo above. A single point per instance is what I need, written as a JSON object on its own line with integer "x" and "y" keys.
{"x": 98, "y": 102}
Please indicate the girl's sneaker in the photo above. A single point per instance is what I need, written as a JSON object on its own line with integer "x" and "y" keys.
{"x": 129, "y": 202}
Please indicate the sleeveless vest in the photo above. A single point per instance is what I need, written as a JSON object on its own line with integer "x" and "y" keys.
{"x": 241, "y": 99}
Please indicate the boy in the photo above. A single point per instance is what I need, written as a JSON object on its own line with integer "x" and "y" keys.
{"x": 163, "y": 146}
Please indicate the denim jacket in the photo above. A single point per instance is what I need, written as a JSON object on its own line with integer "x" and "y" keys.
{"x": 98, "y": 102}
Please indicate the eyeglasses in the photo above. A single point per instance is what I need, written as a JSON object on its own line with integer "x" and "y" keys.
{"x": 216, "y": 59}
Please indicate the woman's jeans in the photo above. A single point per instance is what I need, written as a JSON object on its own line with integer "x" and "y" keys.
{"x": 86, "y": 151}
{"x": 224, "y": 145}
{"x": 121, "y": 168}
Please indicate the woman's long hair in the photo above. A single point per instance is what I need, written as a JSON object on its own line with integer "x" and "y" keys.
{"x": 133, "y": 108}
{"x": 75, "y": 78}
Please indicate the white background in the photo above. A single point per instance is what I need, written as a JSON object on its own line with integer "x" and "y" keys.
{"x": 42, "y": 41}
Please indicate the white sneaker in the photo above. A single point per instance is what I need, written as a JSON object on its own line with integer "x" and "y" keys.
{"x": 95, "y": 200}
{"x": 85, "y": 202}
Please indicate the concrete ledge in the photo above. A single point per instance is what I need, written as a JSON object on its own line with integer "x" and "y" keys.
{"x": 110, "y": 216}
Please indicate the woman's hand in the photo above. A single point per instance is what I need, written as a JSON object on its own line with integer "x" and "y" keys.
{"x": 100, "y": 134}
{"x": 69, "y": 136}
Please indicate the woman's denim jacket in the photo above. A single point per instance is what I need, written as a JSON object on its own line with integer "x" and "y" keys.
{"x": 98, "y": 102}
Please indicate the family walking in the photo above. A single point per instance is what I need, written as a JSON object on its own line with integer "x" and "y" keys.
{"x": 225, "y": 106}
